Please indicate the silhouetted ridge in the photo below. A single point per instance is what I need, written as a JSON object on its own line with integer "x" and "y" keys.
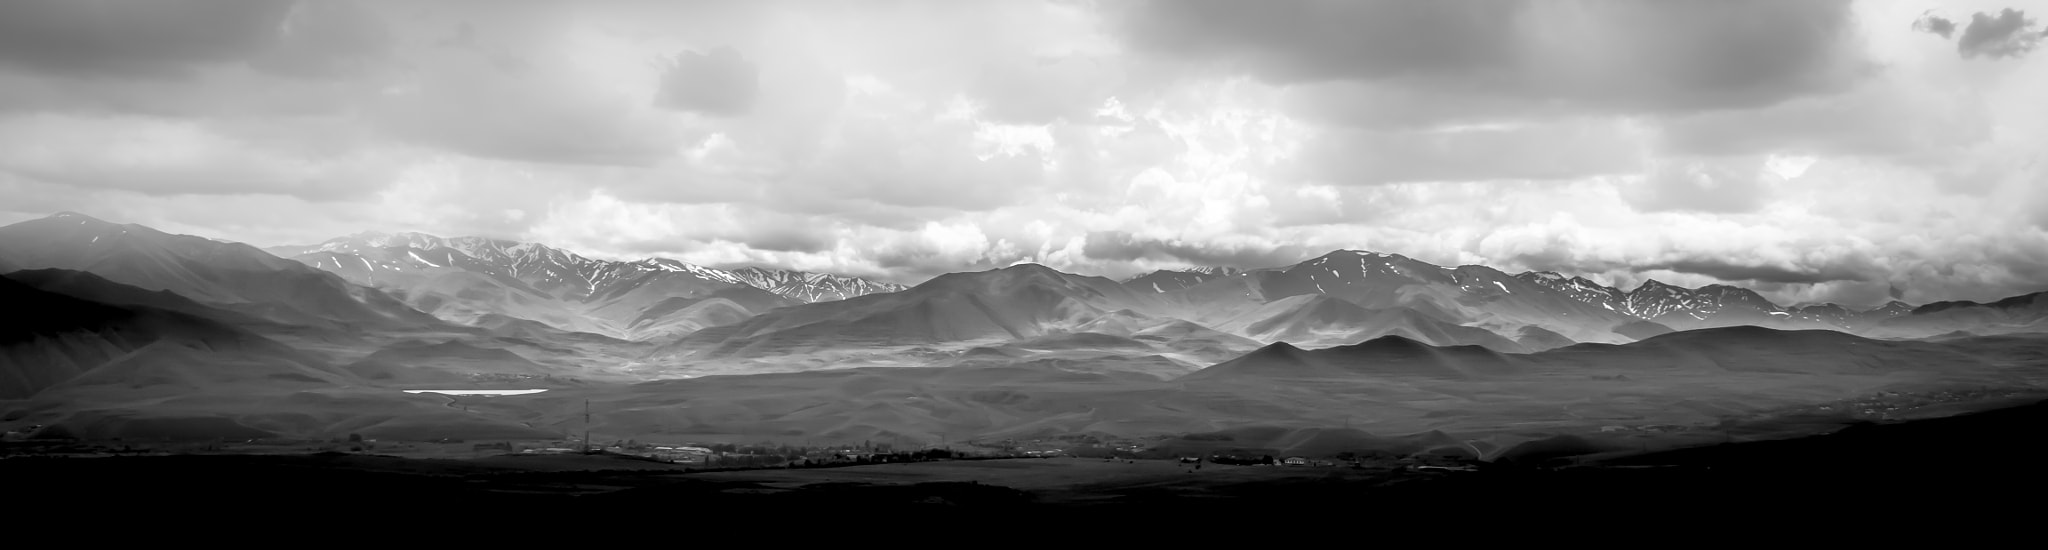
{"x": 1750, "y": 333}
{"x": 2007, "y": 303}
{"x": 1390, "y": 355}
{"x": 1391, "y": 342}
{"x": 42, "y": 312}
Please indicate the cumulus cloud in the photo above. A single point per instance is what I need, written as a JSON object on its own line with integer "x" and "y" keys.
{"x": 2009, "y": 34}
{"x": 1935, "y": 24}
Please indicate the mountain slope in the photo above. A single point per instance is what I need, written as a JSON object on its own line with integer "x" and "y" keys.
{"x": 1175, "y": 279}
{"x": 650, "y": 298}
{"x": 2017, "y": 314}
{"x": 366, "y": 256}
{"x": 1022, "y": 301}
{"x": 228, "y": 275}
{"x": 71, "y": 342}
{"x": 1710, "y": 306}
{"x": 812, "y": 287}
{"x": 1740, "y": 350}
{"x": 1475, "y": 296}
{"x": 1318, "y": 320}
{"x": 1385, "y": 356}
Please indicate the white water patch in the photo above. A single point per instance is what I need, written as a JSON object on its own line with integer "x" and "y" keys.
{"x": 477, "y": 392}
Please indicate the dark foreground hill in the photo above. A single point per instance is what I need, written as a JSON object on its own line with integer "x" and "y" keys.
{"x": 1926, "y": 474}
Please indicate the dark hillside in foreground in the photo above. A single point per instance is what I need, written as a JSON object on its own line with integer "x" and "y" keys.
{"x": 1932, "y": 472}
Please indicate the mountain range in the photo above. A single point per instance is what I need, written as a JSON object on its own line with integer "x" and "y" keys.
{"x": 463, "y": 279}
{"x": 120, "y": 330}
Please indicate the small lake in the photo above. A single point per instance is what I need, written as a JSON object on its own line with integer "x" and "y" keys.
{"x": 477, "y": 392}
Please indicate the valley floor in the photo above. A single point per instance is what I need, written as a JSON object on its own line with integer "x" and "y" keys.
{"x": 1962, "y": 470}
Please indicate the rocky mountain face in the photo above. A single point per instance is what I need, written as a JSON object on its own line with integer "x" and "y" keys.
{"x": 469, "y": 279}
{"x": 1175, "y": 279}
{"x": 1710, "y": 306}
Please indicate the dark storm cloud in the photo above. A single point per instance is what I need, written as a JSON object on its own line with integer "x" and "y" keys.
{"x": 171, "y": 38}
{"x": 1593, "y": 56}
{"x": 2007, "y": 34}
{"x": 1937, "y": 25}
{"x": 1313, "y": 41}
{"x": 143, "y": 38}
{"x": 1123, "y": 247}
{"x": 720, "y": 82}
{"x": 1727, "y": 271}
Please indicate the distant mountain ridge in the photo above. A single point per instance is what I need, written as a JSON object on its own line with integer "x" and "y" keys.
{"x": 558, "y": 271}
{"x": 1175, "y": 279}
{"x": 1710, "y": 306}
{"x": 472, "y": 280}
{"x": 1675, "y": 306}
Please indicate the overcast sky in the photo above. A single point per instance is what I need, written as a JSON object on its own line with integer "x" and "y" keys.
{"x": 1814, "y": 150}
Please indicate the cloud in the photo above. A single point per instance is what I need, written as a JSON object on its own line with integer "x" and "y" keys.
{"x": 140, "y": 38}
{"x": 465, "y": 103}
{"x": 325, "y": 39}
{"x": 1798, "y": 146}
{"x": 1589, "y": 57}
{"x": 170, "y": 157}
{"x": 720, "y": 82}
{"x": 597, "y": 220}
{"x": 2007, "y": 34}
{"x": 171, "y": 39}
{"x": 1556, "y": 151}
{"x": 1727, "y": 271}
{"x": 1726, "y": 187}
{"x": 1935, "y": 24}
{"x": 1897, "y": 119}
{"x": 1039, "y": 90}
{"x": 1122, "y": 246}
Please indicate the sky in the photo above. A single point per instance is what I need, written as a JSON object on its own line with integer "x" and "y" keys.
{"x": 1853, "y": 152}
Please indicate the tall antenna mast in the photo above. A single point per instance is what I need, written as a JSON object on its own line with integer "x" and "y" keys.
{"x": 586, "y": 426}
